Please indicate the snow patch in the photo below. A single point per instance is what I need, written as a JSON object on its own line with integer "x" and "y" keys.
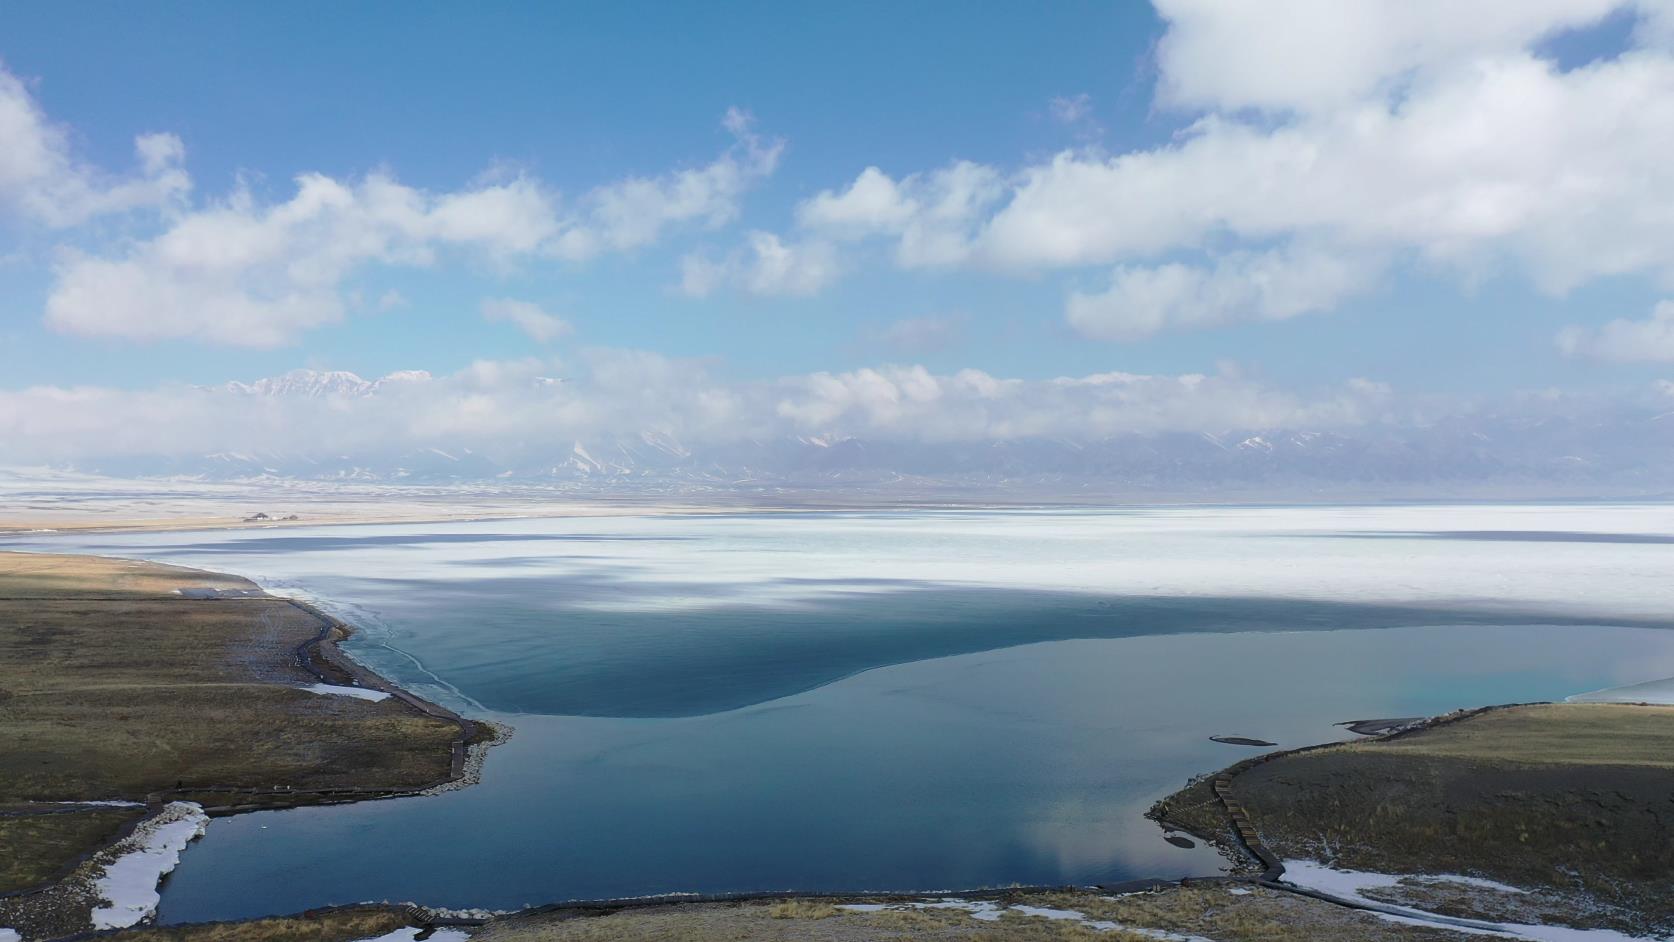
{"x": 1660, "y": 692}
{"x": 1348, "y": 885}
{"x": 129, "y": 883}
{"x": 9, "y": 935}
{"x": 409, "y": 933}
{"x": 359, "y": 693}
{"x": 991, "y": 912}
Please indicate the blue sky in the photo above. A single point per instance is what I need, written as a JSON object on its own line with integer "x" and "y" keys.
{"x": 437, "y": 93}
{"x": 1124, "y": 217}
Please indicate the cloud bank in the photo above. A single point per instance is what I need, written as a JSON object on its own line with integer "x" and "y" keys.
{"x": 1327, "y": 142}
{"x": 615, "y": 394}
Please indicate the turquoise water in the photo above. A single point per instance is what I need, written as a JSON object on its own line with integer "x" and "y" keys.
{"x": 900, "y": 700}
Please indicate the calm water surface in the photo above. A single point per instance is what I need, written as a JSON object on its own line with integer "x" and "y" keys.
{"x": 900, "y": 700}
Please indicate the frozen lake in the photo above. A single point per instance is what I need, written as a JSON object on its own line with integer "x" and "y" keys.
{"x": 897, "y": 700}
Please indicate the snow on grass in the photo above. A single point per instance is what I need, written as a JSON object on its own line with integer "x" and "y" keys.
{"x": 1659, "y": 692}
{"x": 1349, "y": 884}
{"x": 991, "y": 912}
{"x": 980, "y": 909}
{"x": 129, "y": 883}
{"x": 409, "y": 933}
{"x": 359, "y": 693}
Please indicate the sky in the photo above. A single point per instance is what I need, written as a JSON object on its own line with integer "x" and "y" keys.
{"x": 861, "y": 217}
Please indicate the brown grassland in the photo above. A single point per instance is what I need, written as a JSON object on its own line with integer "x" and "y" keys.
{"x": 1258, "y": 915}
{"x": 1576, "y": 800}
{"x": 114, "y": 687}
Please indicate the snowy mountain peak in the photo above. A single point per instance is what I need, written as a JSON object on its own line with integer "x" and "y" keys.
{"x": 319, "y": 384}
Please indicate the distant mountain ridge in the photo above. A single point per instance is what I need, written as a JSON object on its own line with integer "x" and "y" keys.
{"x": 1631, "y": 451}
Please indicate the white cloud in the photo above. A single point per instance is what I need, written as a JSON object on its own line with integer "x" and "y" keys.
{"x": 503, "y": 406}
{"x": 1276, "y": 285}
{"x": 633, "y": 213}
{"x": 1312, "y": 55}
{"x": 529, "y": 318}
{"x": 40, "y": 178}
{"x": 765, "y": 266}
{"x": 932, "y": 215}
{"x": 242, "y": 272}
{"x": 1387, "y": 129}
{"x": 1650, "y": 340}
{"x": 873, "y": 203}
{"x": 1556, "y": 175}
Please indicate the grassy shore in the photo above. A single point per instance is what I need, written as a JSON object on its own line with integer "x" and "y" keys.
{"x": 1571, "y": 801}
{"x": 1222, "y": 913}
{"x": 1210, "y": 912}
{"x": 116, "y": 687}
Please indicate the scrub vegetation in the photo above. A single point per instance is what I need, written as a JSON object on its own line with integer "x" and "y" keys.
{"x": 1573, "y": 801}
{"x": 120, "y": 681}
{"x": 346, "y": 924}
{"x": 1215, "y": 912}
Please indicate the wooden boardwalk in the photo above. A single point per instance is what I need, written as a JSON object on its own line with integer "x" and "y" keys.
{"x": 1246, "y": 831}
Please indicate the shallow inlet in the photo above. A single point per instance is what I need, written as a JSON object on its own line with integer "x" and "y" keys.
{"x": 894, "y": 701}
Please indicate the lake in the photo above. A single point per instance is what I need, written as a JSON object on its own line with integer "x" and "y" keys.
{"x": 904, "y": 700}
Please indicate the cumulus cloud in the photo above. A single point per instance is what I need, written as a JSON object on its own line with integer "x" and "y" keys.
{"x": 932, "y": 216}
{"x": 765, "y": 265}
{"x": 1385, "y": 129}
{"x": 1312, "y": 55}
{"x": 527, "y": 317}
{"x": 42, "y": 179}
{"x": 633, "y": 213}
{"x": 243, "y": 271}
{"x": 1142, "y": 300}
{"x": 1649, "y": 341}
{"x": 624, "y": 394}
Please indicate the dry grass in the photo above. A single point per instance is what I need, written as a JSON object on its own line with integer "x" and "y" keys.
{"x": 1260, "y": 916}
{"x": 55, "y": 842}
{"x": 1570, "y": 798}
{"x": 803, "y": 909}
{"x": 114, "y": 687}
{"x": 118, "y": 699}
{"x": 63, "y": 576}
{"x": 336, "y": 925}
{"x": 1591, "y": 734}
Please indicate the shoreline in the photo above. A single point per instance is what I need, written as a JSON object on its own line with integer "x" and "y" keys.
{"x": 214, "y": 514}
{"x": 323, "y": 657}
{"x": 234, "y": 610}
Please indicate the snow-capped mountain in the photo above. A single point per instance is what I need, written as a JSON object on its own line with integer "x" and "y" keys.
{"x": 1619, "y": 451}
{"x": 316, "y": 384}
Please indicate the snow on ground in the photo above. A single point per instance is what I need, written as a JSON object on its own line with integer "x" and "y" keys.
{"x": 984, "y": 910}
{"x": 1653, "y": 691}
{"x": 9, "y": 935}
{"x": 409, "y": 933}
{"x": 129, "y": 883}
{"x": 1348, "y": 885}
{"x": 359, "y": 693}
{"x": 991, "y": 912}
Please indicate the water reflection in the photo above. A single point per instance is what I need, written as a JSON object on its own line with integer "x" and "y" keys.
{"x": 1032, "y": 764}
